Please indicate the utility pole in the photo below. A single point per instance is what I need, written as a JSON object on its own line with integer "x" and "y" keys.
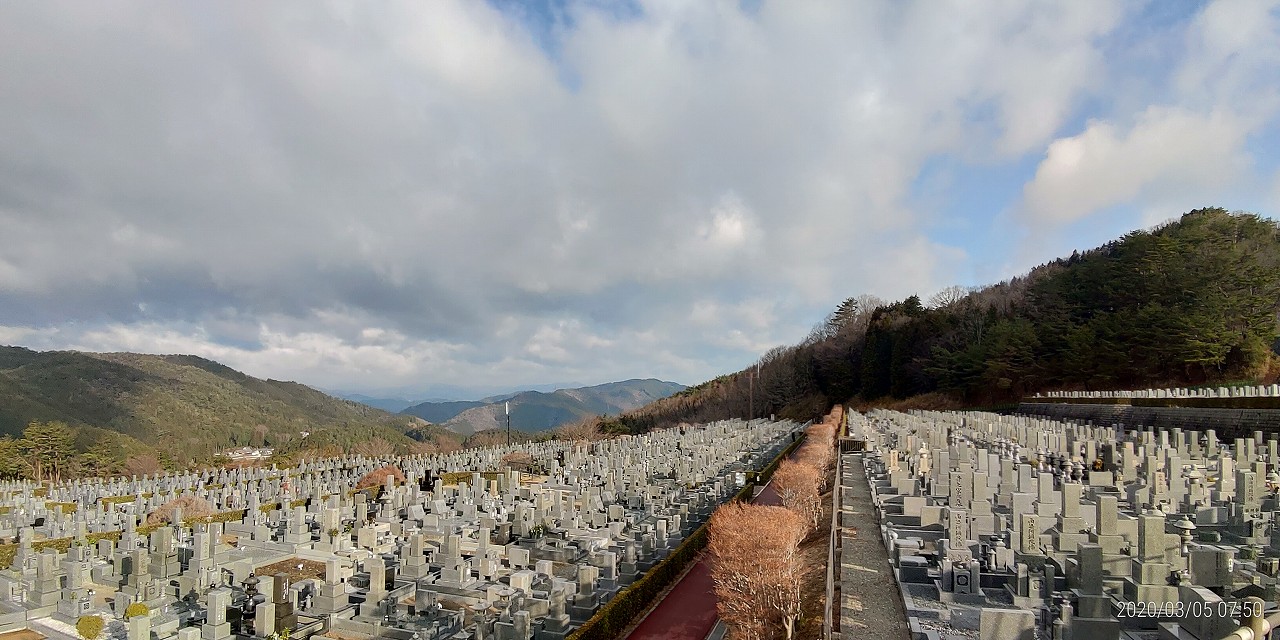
{"x": 508, "y": 404}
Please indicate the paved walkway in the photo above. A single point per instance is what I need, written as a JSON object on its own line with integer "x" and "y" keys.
{"x": 688, "y": 612}
{"x": 870, "y": 604}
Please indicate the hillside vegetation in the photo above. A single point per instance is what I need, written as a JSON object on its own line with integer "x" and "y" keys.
{"x": 1195, "y": 301}
{"x": 183, "y": 409}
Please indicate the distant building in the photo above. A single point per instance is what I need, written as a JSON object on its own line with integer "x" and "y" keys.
{"x": 249, "y": 453}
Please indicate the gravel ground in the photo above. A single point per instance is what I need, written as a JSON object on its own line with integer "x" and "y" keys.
{"x": 871, "y": 607}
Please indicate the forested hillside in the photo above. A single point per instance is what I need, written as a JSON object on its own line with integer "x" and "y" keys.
{"x": 1191, "y": 302}
{"x": 179, "y": 410}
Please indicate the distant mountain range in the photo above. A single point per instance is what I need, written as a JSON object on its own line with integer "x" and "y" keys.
{"x": 396, "y": 400}
{"x": 392, "y": 405}
{"x": 533, "y": 411}
{"x": 184, "y": 407}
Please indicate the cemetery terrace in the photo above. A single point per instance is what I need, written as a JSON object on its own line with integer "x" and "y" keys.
{"x": 1004, "y": 527}
{"x": 465, "y": 547}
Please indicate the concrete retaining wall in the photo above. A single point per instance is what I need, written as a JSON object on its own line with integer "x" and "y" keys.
{"x": 1228, "y": 423}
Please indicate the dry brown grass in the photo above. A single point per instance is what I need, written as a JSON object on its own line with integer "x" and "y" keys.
{"x": 22, "y": 634}
{"x": 1272, "y": 374}
{"x": 585, "y": 430}
{"x": 813, "y": 588}
{"x": 310, "y": 569}
{"x": 934, "y": 401}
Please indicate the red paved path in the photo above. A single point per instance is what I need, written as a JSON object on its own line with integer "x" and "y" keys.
{"x": 689, "y": 610}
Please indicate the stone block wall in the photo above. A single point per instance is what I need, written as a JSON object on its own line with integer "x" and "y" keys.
{"x": 1228, "y": 423}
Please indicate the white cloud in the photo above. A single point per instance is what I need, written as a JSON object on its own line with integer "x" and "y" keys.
{"x": 909, "y": 266}
{"x": 1165, "y": 154}
{"x": 12, "y": 336}
{"x": 1165, "y": 149}
{"x": 731, "y": 225}
{"x": 1233, "y": 55}
{"x": 404, "y": 193}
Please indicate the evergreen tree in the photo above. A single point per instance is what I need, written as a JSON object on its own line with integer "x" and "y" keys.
{"x": 50, "y": 446}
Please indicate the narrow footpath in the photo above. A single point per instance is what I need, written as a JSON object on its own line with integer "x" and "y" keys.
{"x": 870, "y": 604}
{"x": 689, "y": 610}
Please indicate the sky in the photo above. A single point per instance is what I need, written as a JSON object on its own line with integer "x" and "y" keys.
{"x": 388, "y": 197}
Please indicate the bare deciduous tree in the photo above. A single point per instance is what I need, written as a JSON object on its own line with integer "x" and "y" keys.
{"x": 948, "y": 297}
{"x": 756, "y": 568}
{"x": 585, "y": 430}
{"x": 142, "y": 465}
{"x": 191, "y": 506}
{"x": 798, "y": 486}
{"x": 374, "y": 448}
{"x": 421, "y": 448}
{"x": 378, "y": 477}
{"x": 517, "y": 459}
{"x": 818, "y": 449}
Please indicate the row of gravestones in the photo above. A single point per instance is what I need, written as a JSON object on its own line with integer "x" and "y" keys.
{"x": 609, "y": 512}
{"x": 1249, "y": 391}
{"x": 973, "y": 509}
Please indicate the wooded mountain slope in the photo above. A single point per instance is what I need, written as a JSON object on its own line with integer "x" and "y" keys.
{"x": 1195, "y": 301}
{"x": 184, "y": 406}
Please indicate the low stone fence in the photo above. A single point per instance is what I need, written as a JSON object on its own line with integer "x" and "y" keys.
{"x": 1228, "y": 423}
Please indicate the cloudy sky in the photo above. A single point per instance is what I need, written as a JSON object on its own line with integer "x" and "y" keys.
{"x": 388, "y": 196}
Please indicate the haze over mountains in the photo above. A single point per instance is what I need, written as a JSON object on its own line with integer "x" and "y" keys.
{"x": 537, "y": 411}
{"x": 397, "y": 400}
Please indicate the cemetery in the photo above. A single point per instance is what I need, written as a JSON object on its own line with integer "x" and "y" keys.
{"x": 1204, "y": 393}
{"x": 1001, "y": 527}
{"x": 464, "y": 547}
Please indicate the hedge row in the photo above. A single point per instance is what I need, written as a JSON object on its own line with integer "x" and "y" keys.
{"x": 458, "y": 477}
{"x": 9, "y": 551}
{"x": 65, "y": 507}
{"x": 234, "y": 515}
{"x": 616, "y": 615}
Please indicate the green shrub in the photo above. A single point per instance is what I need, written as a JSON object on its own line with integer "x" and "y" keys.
{"x": 235, "y": 515}
{"x": 65, "y": 507}
{"x": 136, "y": 609}
{"x": 458, "y": 477}
{"x": 89, "y": 627}
{"x": 114, "y": 536}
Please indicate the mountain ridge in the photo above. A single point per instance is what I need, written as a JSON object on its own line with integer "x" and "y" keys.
{"x": 533, "y": 411}
{"x": 187, "y": 407}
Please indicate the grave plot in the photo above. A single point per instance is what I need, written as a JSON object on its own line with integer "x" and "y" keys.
{"x": 1019, "y": 527}
{"x": 456, "y": 545}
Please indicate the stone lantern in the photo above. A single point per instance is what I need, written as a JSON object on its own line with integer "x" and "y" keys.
{"x": 1185, "y": 526}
